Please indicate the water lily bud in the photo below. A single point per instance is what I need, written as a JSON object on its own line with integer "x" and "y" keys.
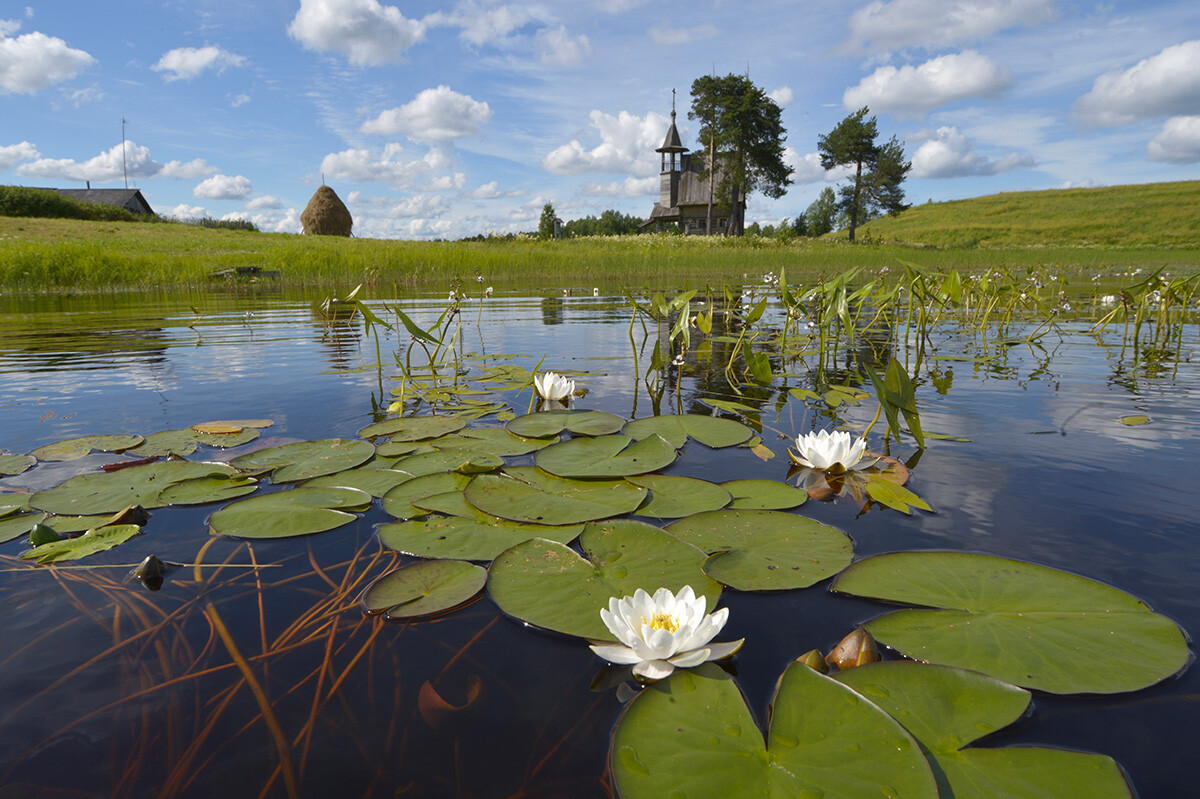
{"x": 150, "y": 572}
{"x": 133, "y": 514}
{"x": 856, "y": 649}
{"x": 813, "y": 659}
{"x": 43, "y": 534}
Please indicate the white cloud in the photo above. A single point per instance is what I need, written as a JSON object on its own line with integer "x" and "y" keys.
{"x": 662, "y": 35}
{"x": 240, "y": 100}
{"x": 33, "y": 61}
{"x": 627, "y": 144}
{"x": 13, "y": 154}
{"x": 223, "y": 187}
{"x": 263, "y": 203}
{"x": 447, "y": 182}
{"x": 947, "y": 153}
{"x": 915, "y": 90}
{"x": 185, "y": 63}
{"x": 365, "y": 31}
{"x": 492, "y": 191}
{"x": 390, "y": 167}
{"x": 112, "y": 164}
{"x": 1166, "y": 84}
{"x": 190, "y": 170}
{"x": 185, "y": 211}
{"x": 558, "y": 48}
{"x": 481, "y": 25}
{"x": 807, "y": 168}
{"x": 78, "y": 97}
{"x": 434, "y": 115}
{"x": 418, "y": 206}
{"x": 783, "y": 96}
{"x": 930, "y": 24}
{"x": 1178, "y": 142}
{"x": 628, "y": 188}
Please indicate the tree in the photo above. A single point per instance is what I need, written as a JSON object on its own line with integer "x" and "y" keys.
{"x": 822, "y": 214}
{"x": 878, "y": 171}
{"x": 741, "y": 138}
{"x": 546, "y": 223}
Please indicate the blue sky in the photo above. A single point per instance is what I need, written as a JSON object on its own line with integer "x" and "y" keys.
{"x": 441, "y": 120}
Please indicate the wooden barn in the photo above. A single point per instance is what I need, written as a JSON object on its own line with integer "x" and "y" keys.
{"x": 129, "y": 199}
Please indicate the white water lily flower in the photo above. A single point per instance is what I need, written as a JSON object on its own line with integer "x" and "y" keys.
{"x": 661, "y": 633}
{"x": 830, "y": 452}
{"x": 551, "y": 386}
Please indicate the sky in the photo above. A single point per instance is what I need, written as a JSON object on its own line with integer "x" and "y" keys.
{"x": 445, "y": 120}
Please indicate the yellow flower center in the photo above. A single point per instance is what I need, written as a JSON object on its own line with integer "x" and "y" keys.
{"x": 662, "y": 621}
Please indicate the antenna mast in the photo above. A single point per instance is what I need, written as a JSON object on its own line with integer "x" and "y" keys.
{"x": 124, "y": 167}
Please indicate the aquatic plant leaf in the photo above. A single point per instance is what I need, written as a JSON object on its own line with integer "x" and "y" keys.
{"x": 729, "y": 406}
{"x": 413, "y": 428}
{"x": 763, "y": 495}
{"x": 398, "y": 501}
{"x": 230, "y": 426}
{"x": 548, "y": 584}
{"x": 1134, "y": 420}
{"x": 75, "y": 448}
{"x": 19, "y": 524}
{"x": 200, "y": 490}
{"x": 77, "y": 524}
{"x": 166, "y": 442}
{"x": 529, "y": 494}
{"x": 468, "y": 534}
{"x": 12, "y": 463}
{"x": 712, "y": 431}
{"x": 109, "y": 492}
{"x": 1030, "y": 625}
{"x": 295, "y": 511}
{"x": 91, "y": 542}
{"x": 761, "y": 550}
{"x": 302, "y": 460}
{"x": 374, "y": 481}
{"x": 673, "y": 497}
{"x": 606, "y": 456}
{"x": 424, "y": 588}
{"x": 894, "y": 496}
{"x": 495, "y": 440}
{"x": 398, "y": 449}
{"x": 550, "y": 423}
{"x": 692, "y": 735}
{"x": 13, "y": 502}
{"x": 946, "y": 709}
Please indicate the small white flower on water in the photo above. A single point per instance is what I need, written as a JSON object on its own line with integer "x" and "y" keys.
{"x": 1108, "y": 299}
{"x": 678, "y": 360}
{"x": 488, "y": 291}
{"x": 452, "y": 296}
{"x": 595, "y": 292}
{"x": 479, "y": 278}
{"x": 551, "y": 386}
{"x": 834, "y": 452}
{"x": 661, "y": 633}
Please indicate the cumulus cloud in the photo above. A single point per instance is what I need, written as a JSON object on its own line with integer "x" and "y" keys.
{"x": 783, "y": 96}
{"x": 1178, "y": 142}
{"x": 947, "y": 153}
{"x": 112, "y": 164}
{"x": 223, "y": 187}
{"x": 185, "y": 63}
{"x": 264, "y": 203}
{"x": 481, "y": 25}
{"x": 190, "y": 170}
{"x": 939, "y": 23}
{"x": 13, "y": 154}
{"x": 912, "y": 90}
{"x": 33, "y": 61}
{"x": 418, "y": 206}
{"x": 558, "y": 48}
{"x": 185, "y": 211}
{"x": 807, "y": 168}
{"x": 240, "y": 100}
{"x": 1166, "y": 84}
{"x": 628, "y": 188}
{"x": 366, "y": 32}
{"x": 390, "y": 167}
{"x": 447, "y": 182}
{"x": 627, "y": 144}
{"x": 78, "y": 97}
{"x": 492, "y": 191}
{"x": 662, "y": 35}
{"x": 434, "y": 115}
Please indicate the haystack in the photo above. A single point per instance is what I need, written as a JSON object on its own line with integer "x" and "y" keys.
{"x": 326, "y": 214}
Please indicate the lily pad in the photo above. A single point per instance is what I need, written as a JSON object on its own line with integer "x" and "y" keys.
{"x": 424, "y": 588}
{"x": 91, "y": 542}
{"x": 200, "y": 490}
{"x": 1030, "y": 625}
{"x": 761, "y": 550}
{"x": 398, "y": 501}
{"x": 468, "y": 534}
{"x": 302, "y": 460}
{"x": 550, "y": 585}
{"x": 528, "y": 494}
{"x": 75, "y": 448}
{"x": 495, "y": 440}
{"x": 550, "y": 423}
{"x": 413, "y": 428}
{"x": 763, "y": 495}
{"x": 19, "y": 524}
{"x": 12, "y": 463}
{"x": 375, "y": 482}
{"x": 187, "y": 440}
{"x": 712, "y": 431}
{"x": 230, "y": 426}
{"x": 1134, "y": 420}
{"x": 109, "y": 492}
{"x": 465, "y": 461}
{"x": 946, "y": 709}
{"x": 692, "y": 735}
{"x": 673, "y": 497}
{"x": 296, "y": 511}
{"x": 607, "y": 456}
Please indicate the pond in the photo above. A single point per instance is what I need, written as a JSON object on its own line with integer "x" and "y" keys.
{"x": 253, "y": 670}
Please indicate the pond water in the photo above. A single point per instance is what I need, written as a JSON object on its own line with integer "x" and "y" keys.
{"x": 108, "y": 689}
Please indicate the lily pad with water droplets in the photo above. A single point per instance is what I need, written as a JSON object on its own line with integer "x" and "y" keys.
{"x": 712, "y": 431}
{"x": 1027, "y": 624}
{"x": 529, "y": 494}
{"x": 302, "y": 460}
{"x": 109, "y": 492}
{"x": 296, "y": 511}
{"x": 424, "y": 588}
{"x": 550, "y": 423}
{"x": 764, "y": 495}
{"x": 75, "y": 448}
{"x": 607, "y": 456}
{"x": 673, "y": 497}
{"x": 18, "y": 524}
{"x": 12, "y": 463}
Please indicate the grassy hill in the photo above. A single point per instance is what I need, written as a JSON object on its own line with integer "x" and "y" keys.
{"x": 1146, "y": 215}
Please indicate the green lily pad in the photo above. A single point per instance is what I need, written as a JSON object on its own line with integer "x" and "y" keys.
{"x": 607, "y": 456}
{"x": 413, "y": 428}
{"x": 763, "y": 550}
{"x": 75, "y": 448}
{"x": 19, "y": 524}
{"x": 296, "y": 511}
{"x": 550, "y": 423}
{"x": 495, "y": 440}
{"x": 1030, "y": 625}
{"x": 91, "y": 542}
{"x": 528, "y": 494}
{"x": 375, "y": 482}
{"x": 692, "y": 735}
{"x": 465, "y": 461}
{"x": 13, "y": 502}
{"x": 77, "y": 524}
{"x": 946, "y": 709}
{"x": 398, "y": 501}
{"x": 302, "y": 460}
{"x": 186, "y": 441}
{"x": 424, "y": 588}
{"x": 550, "y": 585}
{"x": 1134, "y": 420}
{"x": 712, "y": 431}
{"x": 764, "y": 495}
{"x": 109, "y": 492}
{"x": 399, "y": 449}
{"x": 200, "y": 490}
{"x": 12, "y": 463}
{"x": 468, "y": 534}
{"x": 673, "y": 497}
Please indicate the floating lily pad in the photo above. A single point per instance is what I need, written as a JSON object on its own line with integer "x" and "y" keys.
{"x": 606, "y": 456}
{"x": 692, "y": 735}
{"x": 186, "y": 441}
{"x": 19, "y": 524}
{"x": 550, "y": 585}
{"x": 398, "y": 449}
{"x": 495, "y": 440}
{"x": 13, "y": 502}
{"x": 673, "y": 497}
{"x": 91, "y": 542}
{"x": 200, "y": 490}
{"x": 398, "y": 501}
{"x": 302, "y": 460}
{"x": 1030, "y": 625}
{"x": 946, "y": 709}
{"x": 77, "y": 524}
{"x": 75, "y": 448}
{"x": 1135, "y": 420}
{"x": 528, "y": 494}
{"x": 231, "y": 426}
{"x": 550, "y": 423}
{"x": 109, "y": 492}
{"x": 296, "y": 511}
{"x": 468, "y": 534}
{"x": 764, "y": 495}
{"x": 712, "y": 431}
{"x": 424, "y": 588}
{"x": 375, "y": 482}
{"x": 465, "y": 461}
{"x": 12, "y": 463}
{"x": 413, "y": 428}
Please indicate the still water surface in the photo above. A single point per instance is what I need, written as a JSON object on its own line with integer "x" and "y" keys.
{"x": 107, "y": 689}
